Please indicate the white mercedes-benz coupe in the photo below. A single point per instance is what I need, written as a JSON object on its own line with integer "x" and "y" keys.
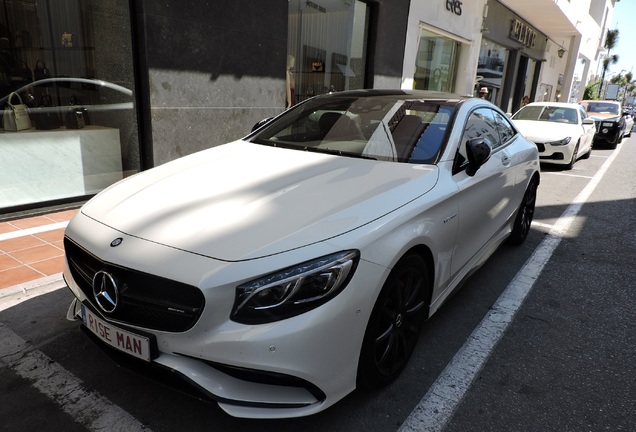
{"x": 279, "y": 272}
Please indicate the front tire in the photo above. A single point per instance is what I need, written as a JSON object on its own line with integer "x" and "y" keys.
{"x": 521, "y": 227}
{"x": 395, "y": 323}
{"x": 570, "y": 165}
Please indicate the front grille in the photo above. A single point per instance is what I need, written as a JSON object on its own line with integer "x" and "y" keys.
{"x": 145, "y": 300}
{"x": 540, "y": 147}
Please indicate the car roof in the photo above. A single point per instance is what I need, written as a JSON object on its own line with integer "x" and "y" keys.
{"x": 556, "y": 104}
{"x": 401, "y": 94}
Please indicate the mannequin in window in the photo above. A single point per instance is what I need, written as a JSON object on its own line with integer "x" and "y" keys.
{"x": 290, "y": 86}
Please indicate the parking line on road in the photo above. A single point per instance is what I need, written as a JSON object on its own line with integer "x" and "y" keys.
{"x": 566, "y": 174}
{"x": 90, "y": 409}
{"x": 442, "y": 399}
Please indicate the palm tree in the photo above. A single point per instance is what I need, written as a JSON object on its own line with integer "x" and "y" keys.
{"x": 610, "y": 43}
{"x": 626, "y": 83}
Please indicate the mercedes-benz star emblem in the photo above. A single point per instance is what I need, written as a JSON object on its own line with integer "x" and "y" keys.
{"x": 116, "y": 242}
{"x": 106, "y": 291}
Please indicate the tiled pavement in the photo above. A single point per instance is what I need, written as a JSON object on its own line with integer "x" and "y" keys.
{"x": 31, "y": 248}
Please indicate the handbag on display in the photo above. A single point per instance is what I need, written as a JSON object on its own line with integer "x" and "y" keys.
{"x": 15, "y": 117}
{"x": 21, "y": 74}
{"x": 76, "y": 104}
{"x": 22, "y": 39}
{"x": 75, "y": 118}
{"x": 46, "y": 116}
{"x": 41, "y": 72}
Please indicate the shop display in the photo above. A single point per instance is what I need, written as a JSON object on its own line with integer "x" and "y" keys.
{"x": 75, "y": 118}
{"x": 16, "y": 116}
{"x": 40, "y": 72}
{"x": 46, "y": 116}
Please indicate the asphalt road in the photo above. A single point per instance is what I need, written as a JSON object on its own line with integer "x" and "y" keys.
{"x": 566, "y": 361}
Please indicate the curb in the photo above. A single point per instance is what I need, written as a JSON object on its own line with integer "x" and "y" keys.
{"x": 16, "y": 294}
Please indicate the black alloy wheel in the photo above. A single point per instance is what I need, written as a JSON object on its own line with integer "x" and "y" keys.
{"x": 521, "y": 227}
{"x": 395, "y": 323}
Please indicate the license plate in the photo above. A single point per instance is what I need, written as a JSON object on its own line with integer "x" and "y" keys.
{"x": 608, "y": 124}
{"x": 130, "y": 343}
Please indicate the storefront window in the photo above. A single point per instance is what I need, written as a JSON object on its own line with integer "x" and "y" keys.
{"x": 490, "y": 69}
{"x": 69, "y": 126}
{"x": 326, "y": 48}
{"x": 435, "y": 64}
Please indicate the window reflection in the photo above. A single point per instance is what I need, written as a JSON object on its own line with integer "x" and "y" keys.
{"x": 328, "y": 46}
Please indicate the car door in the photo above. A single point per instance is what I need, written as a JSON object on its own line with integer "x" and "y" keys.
{"x": 485, "y": 199}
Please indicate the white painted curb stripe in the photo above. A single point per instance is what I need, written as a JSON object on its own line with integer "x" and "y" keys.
{"x": 16, "y": 294}
{"x": 440, "y": 402}
{"x": 31, "y": 231}
{"x": 90, "y": 409}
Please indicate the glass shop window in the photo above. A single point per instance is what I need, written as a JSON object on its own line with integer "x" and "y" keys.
{"x": 69, "y": 128}
{"x": 435, "y": 66}
{"x": 326, "y": 49}
{"x": 491, "y": 69}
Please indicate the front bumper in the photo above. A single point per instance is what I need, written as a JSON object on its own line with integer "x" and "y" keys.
{"x": 607, "y": 131}
{"x": 254, "y": 395}
{"x": 290, "y": 368}
{"x": 555, "y": 154}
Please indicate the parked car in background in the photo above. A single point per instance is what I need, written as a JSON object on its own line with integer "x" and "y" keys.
{"x": 279, "y": 272}
{"x": 562, "y": 131}
{"x": 610, "y": 124}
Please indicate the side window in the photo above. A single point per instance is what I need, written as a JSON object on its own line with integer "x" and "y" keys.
{"x": 480, "y": 124}
{"x": 583, "y": 113}
{"x": 506, "y": 131}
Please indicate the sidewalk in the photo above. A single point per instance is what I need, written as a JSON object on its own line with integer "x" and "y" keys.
{"x": 32, "y": 248}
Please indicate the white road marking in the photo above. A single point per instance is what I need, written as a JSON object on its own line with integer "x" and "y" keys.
{"x": 90, "y": 409}
{"x": 440, "y": 402}
{"x": 32, "y": 231}
{"x": 542, "y": 225}
{"x": 565, "y": 174}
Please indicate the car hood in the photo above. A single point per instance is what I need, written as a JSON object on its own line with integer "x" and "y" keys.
{"x": 604, "y": 116}
{"x": 543, "y": 131}
{"x": 243, "y": 201}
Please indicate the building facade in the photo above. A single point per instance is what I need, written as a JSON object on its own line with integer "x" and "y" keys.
{"x": 178, "y": 77}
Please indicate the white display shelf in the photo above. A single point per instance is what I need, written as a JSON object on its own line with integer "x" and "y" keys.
{"x": 37, "y": 166}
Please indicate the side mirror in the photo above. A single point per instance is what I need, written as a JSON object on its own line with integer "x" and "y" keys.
{"x": 478, "y": 151}
{"x": 261, "y": 123}
{"x": 588, "y": 121}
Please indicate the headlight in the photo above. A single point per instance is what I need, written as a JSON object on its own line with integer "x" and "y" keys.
{"x": 564, "y": 141}
{"x": 294, "y": 290}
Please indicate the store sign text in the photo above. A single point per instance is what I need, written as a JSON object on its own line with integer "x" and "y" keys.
{"x": 454, "y": 6}
{"x": 523, "y": 33}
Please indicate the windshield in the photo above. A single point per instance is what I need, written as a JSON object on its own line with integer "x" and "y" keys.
{"x": 547, "y": 113}
{"x": 602, "y": 107}
{"x": 381, "y": 128}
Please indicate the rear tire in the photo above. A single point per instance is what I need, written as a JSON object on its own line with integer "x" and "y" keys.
{"x": 395, "y": 323}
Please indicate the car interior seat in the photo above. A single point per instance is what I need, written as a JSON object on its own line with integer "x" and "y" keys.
{"x": 406, "y": 134}
{"x": 338, "y": 127}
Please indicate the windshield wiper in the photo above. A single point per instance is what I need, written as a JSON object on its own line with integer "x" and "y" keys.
{"x": 337, "y": 152}
{"x": 311, "y": 149}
